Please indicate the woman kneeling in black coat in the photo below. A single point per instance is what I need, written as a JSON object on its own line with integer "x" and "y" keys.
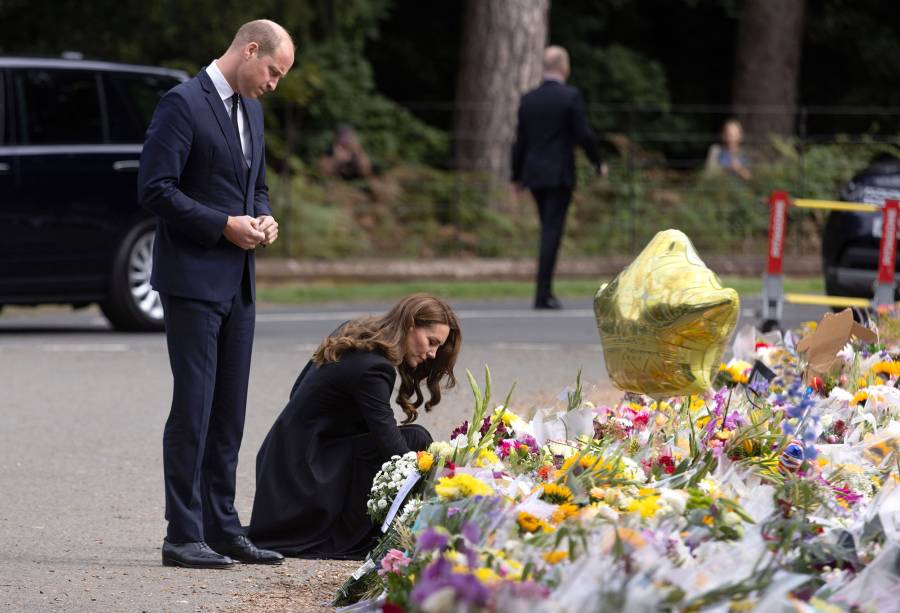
{"x": 316, "y": 465}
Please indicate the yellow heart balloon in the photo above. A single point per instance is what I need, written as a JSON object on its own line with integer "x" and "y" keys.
{"x": 664, "y": 321}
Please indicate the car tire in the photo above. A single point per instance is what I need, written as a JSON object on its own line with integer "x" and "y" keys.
{"x": 132, "y": 305}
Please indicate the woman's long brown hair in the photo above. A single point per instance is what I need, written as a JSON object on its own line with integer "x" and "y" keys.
{"x": 387, "y": 335}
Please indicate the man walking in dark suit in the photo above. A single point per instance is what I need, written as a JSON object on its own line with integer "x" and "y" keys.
{"x": 203, "y": 173}
{"x": 551, "y": 122}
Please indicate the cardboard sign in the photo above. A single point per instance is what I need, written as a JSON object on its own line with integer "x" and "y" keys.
{"x": 823, "y": 344}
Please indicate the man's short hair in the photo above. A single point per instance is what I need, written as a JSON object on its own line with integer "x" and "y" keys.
{"x": 267, "y": 34}
{"x": 556, "y": 59}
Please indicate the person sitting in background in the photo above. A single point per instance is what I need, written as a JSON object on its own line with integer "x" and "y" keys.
{"x": 729, "y": 156}
{"x": 348, "y": 159}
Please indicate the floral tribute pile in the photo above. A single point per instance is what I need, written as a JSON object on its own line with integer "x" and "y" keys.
{"x": 764, "y": 494}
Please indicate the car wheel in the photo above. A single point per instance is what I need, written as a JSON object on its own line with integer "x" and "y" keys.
{"x": 132, "y": 304}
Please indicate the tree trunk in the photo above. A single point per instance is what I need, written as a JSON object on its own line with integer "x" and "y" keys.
{"x": 501, "y": 58}
{"x": 767, "y": 66}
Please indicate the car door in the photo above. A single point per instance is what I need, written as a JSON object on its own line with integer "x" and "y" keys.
{"x": 12, "y": 221}
{"x": 64, "y": 168}
{"x": 130, "y": 100}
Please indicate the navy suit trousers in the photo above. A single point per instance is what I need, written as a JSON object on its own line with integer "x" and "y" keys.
{"x": 552, "y": 205}
{"x": 209, "y": 350}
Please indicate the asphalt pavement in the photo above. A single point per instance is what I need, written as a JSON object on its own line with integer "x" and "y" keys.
{"x": 83, "y": 407}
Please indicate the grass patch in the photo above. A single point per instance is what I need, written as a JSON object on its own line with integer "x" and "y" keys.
{"x": 323, "y": 292}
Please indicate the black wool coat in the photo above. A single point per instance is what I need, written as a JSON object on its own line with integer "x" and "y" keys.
{"x": 315, "y": 468}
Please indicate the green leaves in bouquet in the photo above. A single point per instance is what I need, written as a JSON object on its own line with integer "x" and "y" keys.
{"x": 574, "y": 397}
{"x": 482, "y": 401}
{"x": 369, "y": 584}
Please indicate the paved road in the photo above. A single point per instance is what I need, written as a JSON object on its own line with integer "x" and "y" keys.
{"x": 81, "y": 511}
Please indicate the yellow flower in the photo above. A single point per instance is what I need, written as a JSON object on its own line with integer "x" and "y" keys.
{"x": 556, "y": 494}
{"x": 555, "y": 557}
{"x": 508, "y": 416}
{"x": 530, "y": 523}
{"x": 592, "y": 463}
{"x": 563, "y": 512}
{"x": 662, "y": 405}
{"x": 861, "y": 382}
{"x": 487, "y": 575}
{"x": 646, "y": 506}
{"x": 461, "y": 485}
{"x": 860, "y": 396}
{"x": 738, "y": 370}
{"x": 697, "y": 403}
{"x": 424, "y": 461}
{"x": 486, "y": 457}
{"x": 891, "y": 369}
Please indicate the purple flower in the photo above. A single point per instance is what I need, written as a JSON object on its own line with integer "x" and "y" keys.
{"x": 845, "y": 494}
{"x": 471, "y": 532}
{"x": 439, "y": 575}
{"x": 430, "y": 540}
{"x": 733, "y": 420}
{"x": 462, "y": 429}
{"x": 720, "y": 399}
{"x": 759, "y": 386}
{"x": 810, "y": 453}
{"x": 530, "y": 441}
{"x": 501, "y": 430}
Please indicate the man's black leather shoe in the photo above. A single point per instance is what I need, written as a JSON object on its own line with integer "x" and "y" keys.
{"x": 193, "y": 555}
{"x": 243, "y": 550}
{"x": 548, "y": 303}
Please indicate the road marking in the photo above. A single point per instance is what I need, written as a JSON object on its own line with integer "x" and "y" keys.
{"x": 76, "y": 347}
{"x": 482, "y": 314}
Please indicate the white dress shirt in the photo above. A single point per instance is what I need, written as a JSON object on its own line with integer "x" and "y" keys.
{"x": 226, "y": 93}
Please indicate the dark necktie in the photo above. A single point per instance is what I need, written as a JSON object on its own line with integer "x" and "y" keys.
{"x": 235, "y": 109}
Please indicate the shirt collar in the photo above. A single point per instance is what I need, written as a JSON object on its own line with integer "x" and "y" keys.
{"x": 219, "y": 80}
{"x": 554, "y": 76}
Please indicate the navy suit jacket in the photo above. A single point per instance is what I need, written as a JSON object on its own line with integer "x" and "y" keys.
{"x": 193, "y": 176}
{"x": 551, "y": 122}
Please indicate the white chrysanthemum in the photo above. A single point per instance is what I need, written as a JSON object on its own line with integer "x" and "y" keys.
{"x": 441, "y": 448}
{"x": 632, "y": 471}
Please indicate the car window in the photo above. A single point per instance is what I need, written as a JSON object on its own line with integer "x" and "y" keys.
{"x": 60, "y": 107}
{"x": 130, "y": 102}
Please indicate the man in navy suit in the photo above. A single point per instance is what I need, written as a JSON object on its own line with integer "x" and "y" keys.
{"x": 203, "y": 173}
{"x": 551, "y": 122}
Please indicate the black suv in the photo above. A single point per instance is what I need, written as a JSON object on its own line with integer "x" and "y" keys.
{"x": 71, "y": 133}
{"x": 851, "y": 241}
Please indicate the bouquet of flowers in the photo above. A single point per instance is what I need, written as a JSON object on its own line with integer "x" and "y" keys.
{"x": 761, "y": 494}
{"x": 389, "y": 481}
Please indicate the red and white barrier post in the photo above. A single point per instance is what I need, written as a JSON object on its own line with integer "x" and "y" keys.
{"x": 887, "y": 254}
{"x": 773, "y": 280}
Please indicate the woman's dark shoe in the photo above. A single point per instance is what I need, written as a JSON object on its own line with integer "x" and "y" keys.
{"x": 243, "y": 550}
{"x": 193, "y": 555}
